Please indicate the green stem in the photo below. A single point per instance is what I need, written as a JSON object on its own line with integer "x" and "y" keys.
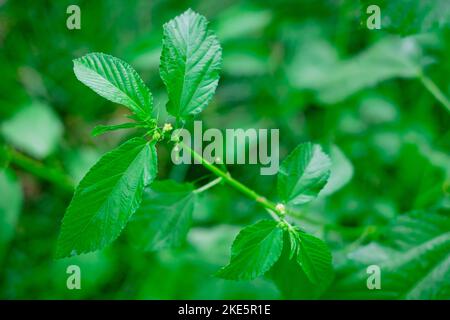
{"x": 227, "y": 178}
{"x": 41, "y": 171}
{"x": 435, "y": 91}
{"x": 209, "y": 185}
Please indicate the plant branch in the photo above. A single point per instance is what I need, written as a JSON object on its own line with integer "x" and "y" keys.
{"x": 227, "y": 178}
{"x": 270, "y": 207}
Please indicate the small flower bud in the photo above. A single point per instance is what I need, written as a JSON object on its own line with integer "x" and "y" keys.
{"x": 281, "y": 208}
{"x": 167, "y": 127}
{"x": 156, "y": 135}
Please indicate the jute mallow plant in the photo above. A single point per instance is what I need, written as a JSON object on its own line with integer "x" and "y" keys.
{"x": 120, "y": 190}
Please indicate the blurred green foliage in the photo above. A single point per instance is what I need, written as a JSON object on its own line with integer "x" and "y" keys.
{"x": 311, "y": 69}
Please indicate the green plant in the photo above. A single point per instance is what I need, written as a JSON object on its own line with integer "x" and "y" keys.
{"x": 375, "y": 99}
{"x": 120, "y": 188}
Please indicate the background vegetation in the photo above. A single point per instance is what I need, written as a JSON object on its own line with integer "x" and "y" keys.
{"x": 375, "y": 99}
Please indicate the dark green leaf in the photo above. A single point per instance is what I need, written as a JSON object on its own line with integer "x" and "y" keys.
{"x": 190, "y": 64}
{"x": 107, "y": 197}
{"x": 289, "y": 276}
{"x": 115, "y": 80}
{"x": 315, "y": 259}
{"x": 254, "y": 251}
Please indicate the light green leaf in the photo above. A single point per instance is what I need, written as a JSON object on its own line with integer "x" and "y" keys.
{"x": 303, "y": 174}
{"x": 164, "y": 217}
{"x": 240, "y": 21}
{"x": 10, "y": 206}
{"x": 315, "y": 259}
{"x": 107, "y": 197}
{"x": 313, "y": 57}
{"x": 386, "y": 59}
{"x": 254, "y": 251}
{"x": 101, "y": 129}
{"x": 377, "y": 109}
{"x": 190, "y": 64}
{"x": 341, "y": 171}
{"x": 115, "y": 80}
{"x": 334, "y": 81}
{"x": 34, "y": 129}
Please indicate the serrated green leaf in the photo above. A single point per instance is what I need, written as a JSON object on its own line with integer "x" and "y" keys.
{"x": 303, "y": 174}
{"x": 315, "y": 258}
{"x": 115, "y": 80}
{"x": 10, "y": 206}
{"x": 164, "y": 217}
{"x": 190, "y": 64}
{"x": 101, "y": 129}
{"x": 107, "y": 197}
{"x": 254, "y": 251}
{"x": 34, "y": 129}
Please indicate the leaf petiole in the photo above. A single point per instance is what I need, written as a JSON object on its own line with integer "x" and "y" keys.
{"x": 208, "y": 185}
{"x": 233, "y": 182}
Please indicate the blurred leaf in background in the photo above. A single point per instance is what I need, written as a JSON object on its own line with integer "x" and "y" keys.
{"x": 35, "y": 129}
